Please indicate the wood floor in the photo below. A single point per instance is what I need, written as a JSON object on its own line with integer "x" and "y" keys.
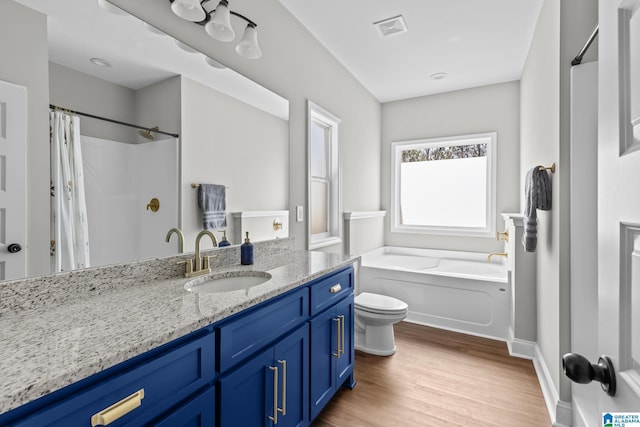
{"x": 439, "y": 378}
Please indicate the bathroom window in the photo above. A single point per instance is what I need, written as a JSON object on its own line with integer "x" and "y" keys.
{"x": 444, "y": 185}
{"x": 324, "y": 177}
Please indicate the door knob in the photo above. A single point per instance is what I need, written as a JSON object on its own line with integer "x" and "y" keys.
{"x": 14, "y": 248}
{"x": 580, "y": 370}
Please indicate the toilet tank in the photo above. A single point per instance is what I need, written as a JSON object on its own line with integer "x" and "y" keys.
{"x": 261, "y": 225}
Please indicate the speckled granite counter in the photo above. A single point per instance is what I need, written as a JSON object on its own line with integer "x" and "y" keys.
{"x": 63, "y": 334}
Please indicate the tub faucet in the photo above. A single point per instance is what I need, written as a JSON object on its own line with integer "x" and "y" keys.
{"x": 504, "y": 254}
{"x": 180, "y": 238}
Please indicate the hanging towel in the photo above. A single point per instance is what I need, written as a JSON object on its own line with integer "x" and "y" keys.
{"x": 537, "y": 196}
{"x": 211, "y": 199}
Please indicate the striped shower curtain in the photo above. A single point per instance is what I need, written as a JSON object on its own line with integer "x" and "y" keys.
{"x": 69, "y": 230}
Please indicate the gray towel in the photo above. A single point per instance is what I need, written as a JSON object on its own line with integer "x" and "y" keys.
{"x": 211, "y": 199}
{"x": 538, "y": 196}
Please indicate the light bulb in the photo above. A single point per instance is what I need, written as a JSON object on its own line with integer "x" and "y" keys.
{"x": 248, "y": 46}
{"x": 191, "y": 10}
{"x": 219, "y": 27}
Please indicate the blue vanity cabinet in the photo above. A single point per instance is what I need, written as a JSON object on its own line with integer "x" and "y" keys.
{"x": 135, "y": 393}
{"x": 270, "y": 388}
{"x": 332, "y": 349}
{"x": 198, "y": 411}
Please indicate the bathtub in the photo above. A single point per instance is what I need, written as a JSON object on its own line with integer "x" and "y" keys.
{"x": 459, "y": 291}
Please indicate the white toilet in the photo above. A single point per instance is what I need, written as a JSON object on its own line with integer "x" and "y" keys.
{"x": 375, "y": 316}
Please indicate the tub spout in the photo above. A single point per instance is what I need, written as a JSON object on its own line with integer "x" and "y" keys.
{"x": 504, "y": 254}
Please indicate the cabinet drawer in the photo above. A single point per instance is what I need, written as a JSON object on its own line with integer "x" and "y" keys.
{"x": 329, "y": 290}
{"x": 197, "y": 412}
{"x": 156, "y": 385}
{"x": 251, "y": 331}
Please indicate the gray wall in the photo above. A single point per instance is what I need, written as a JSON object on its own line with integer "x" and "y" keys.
{"x": 24, "y": 62}
{"x": 297, "y": 67}
{"x": 227, "y": 142}
{"x": 78, "y": 91}
{"x": 562, "y": 29}
{"x": 482, "y": 109}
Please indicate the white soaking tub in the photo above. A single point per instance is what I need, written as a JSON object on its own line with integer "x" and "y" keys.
{"x": 459, "y": 291}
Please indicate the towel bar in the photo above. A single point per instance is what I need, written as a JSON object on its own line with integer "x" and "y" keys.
{"x": 194, "y": 185}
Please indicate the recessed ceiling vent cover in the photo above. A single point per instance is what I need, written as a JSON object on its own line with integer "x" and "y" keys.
{"x": 390, "y": 26}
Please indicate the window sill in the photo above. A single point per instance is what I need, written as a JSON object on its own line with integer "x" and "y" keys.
{"x": 324, "y": 242}
{"x": 468, "y": 232}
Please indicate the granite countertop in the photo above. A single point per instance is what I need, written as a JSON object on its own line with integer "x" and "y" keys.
{"x": 47, "y": 346}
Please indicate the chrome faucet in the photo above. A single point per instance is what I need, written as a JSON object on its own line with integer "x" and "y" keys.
{"x": 180, "y": 238}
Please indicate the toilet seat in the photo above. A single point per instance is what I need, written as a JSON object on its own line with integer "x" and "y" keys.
{"x": 380, "y": 304}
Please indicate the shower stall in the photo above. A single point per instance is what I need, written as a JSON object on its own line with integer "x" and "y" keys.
{"x": 121, "y": 182}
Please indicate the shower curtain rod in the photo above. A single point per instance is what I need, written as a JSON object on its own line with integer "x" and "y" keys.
{"x": 80, "y": 113}
{"x": 578, "y": 59}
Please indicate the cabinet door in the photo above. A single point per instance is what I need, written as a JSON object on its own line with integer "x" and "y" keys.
{"x": 344, "y": 363}
{"x": 246, "y": 394}
{"x": 292, "y": 359}
{"x": 197, "y": 412}
{"x": 324, "y": 349}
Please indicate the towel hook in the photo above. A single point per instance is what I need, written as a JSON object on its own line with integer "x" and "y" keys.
{"x": 551, "y": 168}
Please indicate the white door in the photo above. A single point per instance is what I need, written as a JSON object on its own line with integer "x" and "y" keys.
{"x": 13, "y": 142}
{"x": 619, "y": 201}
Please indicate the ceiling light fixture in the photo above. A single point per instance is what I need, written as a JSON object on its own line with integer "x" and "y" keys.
{"x": 217, "y": 23}
{"x": 111, "y": 8}
{"x": 185, "y": 47}
{"x": 438, "y": 76}
{"x": 215, "y": 64}
{"x": 100, "y": 62}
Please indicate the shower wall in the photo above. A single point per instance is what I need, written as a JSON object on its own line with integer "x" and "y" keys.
{"x": 120, "y": 180}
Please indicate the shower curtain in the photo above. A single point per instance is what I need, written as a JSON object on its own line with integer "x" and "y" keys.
{"x": 69, "y": 229}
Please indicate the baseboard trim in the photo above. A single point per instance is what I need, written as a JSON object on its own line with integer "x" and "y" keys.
{"x": 520, "y": 348}
{"x": 560, "y": 412}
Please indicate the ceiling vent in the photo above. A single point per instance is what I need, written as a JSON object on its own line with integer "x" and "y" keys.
{"x": 391, "y": 26}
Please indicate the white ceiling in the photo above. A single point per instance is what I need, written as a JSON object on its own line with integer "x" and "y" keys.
{"x": 79, "y": 30}
{"x": 475, "y": 42}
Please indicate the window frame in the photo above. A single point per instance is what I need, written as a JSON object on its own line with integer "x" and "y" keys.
{"x": 333, "y": 236}
{"x": 489, "y": 229}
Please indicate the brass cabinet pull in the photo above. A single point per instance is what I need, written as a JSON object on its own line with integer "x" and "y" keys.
{"x": 342, "y": 327}
{"x": 274, "y": 418}
{"x": 117, "y": 410}
{"x": 337, "y": 353}
{"x": 284, "y": 387}
{"x": 335, "y": 288}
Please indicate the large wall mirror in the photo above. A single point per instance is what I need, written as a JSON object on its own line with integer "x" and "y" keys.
{"x": 214, "y": 126}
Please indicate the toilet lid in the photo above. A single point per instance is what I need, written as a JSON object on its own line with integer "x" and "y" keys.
{"x": 379, "y": 303}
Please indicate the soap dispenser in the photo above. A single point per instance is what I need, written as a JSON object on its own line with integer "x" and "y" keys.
{"x": 223, "y": 241}
{"x": 246, "y": 251}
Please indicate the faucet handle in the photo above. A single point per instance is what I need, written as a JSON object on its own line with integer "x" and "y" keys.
{"x": 188, "y": 266}
{"x": 206, "y": 262}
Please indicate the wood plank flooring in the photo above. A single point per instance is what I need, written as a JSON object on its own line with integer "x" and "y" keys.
{"x": 439, "y": 378}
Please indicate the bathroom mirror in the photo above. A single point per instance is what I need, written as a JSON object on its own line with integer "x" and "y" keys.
{"x": 180, "y": 91}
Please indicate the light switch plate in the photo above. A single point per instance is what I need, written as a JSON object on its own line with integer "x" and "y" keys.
{"x": 299, "y": 213}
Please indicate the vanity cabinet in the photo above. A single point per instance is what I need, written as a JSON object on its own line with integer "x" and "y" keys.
{"x": 332, "y": 352}
{"x": 271, "y": 388}
{"x": 196, "y": 412}
{"x": 139, "y": 394}
{"x": 275, "y": 364}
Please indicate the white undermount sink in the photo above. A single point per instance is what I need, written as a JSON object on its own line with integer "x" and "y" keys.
{"x": 227, "y": 282}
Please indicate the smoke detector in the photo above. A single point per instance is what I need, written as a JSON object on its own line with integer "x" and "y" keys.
{"x": 391, "y": 26}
